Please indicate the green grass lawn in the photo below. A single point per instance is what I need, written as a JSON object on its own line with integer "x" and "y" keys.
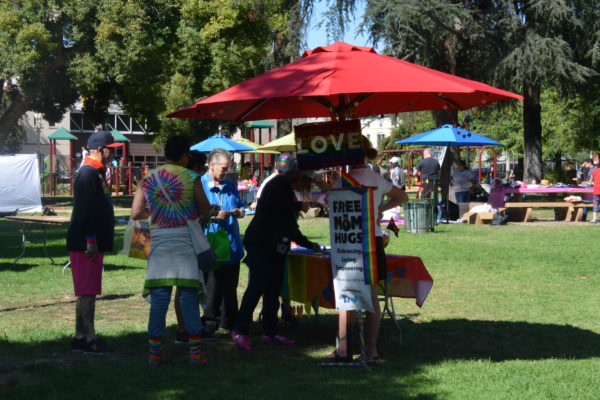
{"x": 513, "y": 313}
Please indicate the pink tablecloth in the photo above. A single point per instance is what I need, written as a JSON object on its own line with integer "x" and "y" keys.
{"x": 547, "y": 190}
{"x": 586, "y": 193}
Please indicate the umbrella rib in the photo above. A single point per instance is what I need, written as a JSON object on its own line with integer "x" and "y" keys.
{"x": 253, "y": 108}
{"x": 322, "y": 101}
{"x": 328, "y": 72}
{"x": 446, "y": 100}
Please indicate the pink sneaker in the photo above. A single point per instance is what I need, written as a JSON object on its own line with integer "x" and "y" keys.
{"x": 277, "y": 339}
{"x": 241, "y": 341}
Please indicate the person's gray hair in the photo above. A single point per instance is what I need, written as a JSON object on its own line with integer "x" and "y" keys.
{"x": 218, "y": 154}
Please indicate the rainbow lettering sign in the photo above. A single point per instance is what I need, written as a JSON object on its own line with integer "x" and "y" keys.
{"x": 328, "y": 144}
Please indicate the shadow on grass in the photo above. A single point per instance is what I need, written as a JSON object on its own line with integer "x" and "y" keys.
{"x": 10, "y": 241}
{"x": 496, "y": 341}
{"x": 48, "y": 369}
{"x": 114, "y": 267}
{"x": 100, "y": 299}
{"x": 19, "y": 267}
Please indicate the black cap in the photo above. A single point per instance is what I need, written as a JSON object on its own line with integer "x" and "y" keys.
{"x": 101, "y": 139}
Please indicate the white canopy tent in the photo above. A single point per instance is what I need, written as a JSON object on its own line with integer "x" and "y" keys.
{"x": 19, "y": 183}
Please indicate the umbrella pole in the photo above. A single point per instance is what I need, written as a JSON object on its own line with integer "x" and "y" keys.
{"x": 70, "y": 167}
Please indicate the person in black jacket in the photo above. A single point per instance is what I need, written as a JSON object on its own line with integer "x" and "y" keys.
{"x": 90, "y": 235}
{"x": 267, "y": 242}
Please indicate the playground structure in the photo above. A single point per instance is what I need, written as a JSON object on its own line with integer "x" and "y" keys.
{"x": 411, "y": 152}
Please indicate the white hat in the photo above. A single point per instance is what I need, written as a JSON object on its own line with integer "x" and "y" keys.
{"x": 394, "y": 159}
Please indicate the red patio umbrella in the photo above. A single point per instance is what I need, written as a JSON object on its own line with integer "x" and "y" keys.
{"x": 343, "y": 80}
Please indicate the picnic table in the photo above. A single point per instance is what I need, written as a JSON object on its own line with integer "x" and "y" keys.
{"x": 29, "y": 223}
{"x": 521, "y": 208}
{"x": 548, "y": 191}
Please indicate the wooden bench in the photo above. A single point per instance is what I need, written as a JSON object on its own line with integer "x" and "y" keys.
{"x": 478, "y": 218}
{"x": 522, "y": 211}
{"x": 579, "y": 207}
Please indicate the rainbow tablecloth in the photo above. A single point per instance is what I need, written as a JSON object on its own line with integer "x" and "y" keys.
{"x": 309, "y": 277}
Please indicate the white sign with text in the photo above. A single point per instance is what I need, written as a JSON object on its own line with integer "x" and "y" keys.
{"x": 345, "y": 227}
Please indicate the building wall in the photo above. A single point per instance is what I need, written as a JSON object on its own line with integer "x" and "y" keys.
{"x": 37, "y": 131}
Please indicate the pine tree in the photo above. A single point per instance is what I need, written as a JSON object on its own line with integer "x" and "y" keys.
{"x": 518, "y": 45}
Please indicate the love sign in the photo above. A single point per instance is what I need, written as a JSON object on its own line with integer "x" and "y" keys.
{"x": 328, "y": 144}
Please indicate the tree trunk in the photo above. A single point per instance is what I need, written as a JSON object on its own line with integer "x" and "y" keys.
{"x": 532, "y": 133}
{"x": 558, "y": 161}
{"x": 443, "y": 117}
{"x": 284, "y": 126}
{"x": 10, "y": 118}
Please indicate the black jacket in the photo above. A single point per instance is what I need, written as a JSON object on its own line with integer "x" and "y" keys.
{"x": 92, "y": 212}
{"x": 276, "y": 215}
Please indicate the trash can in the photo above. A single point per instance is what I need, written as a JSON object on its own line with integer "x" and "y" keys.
{"x": 419, "y": 215}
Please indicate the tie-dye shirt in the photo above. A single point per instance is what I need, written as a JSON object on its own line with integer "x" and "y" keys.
{"x": 178, "y": 182}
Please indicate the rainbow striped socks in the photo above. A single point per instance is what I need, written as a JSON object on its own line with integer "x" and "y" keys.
{"x": 195, "y": 355}
{"x": 154, "y": 350}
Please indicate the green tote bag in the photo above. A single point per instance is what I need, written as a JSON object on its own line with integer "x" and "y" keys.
{"x": 219, "y": 241}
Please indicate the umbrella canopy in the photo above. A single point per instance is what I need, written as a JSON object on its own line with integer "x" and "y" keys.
{"x": 62, "y": 134}
{"x": 284, "y": 143}
{"x": 118, "y": 136}
{"x": 346, "y": 80}
{"x": 220, "y": 142}
{"x": 447, "y": 135}
{"x": 259, "y": 124}
{"x": 255, "y": 146}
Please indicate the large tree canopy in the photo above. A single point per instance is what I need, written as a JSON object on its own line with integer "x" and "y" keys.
{"x": 151, "y": 56}
{"x": 518, "y": 45}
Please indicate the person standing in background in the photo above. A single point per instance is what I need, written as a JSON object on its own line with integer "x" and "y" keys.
{"x": 282, "y": 165}
{"x": 221, "y": 284}
{"x": 462, "y": 182}
{"x": 428, "y": 168}
{"x": 267, "y": 242}
{"x": 171, "y": 195}
{"x": 196, "y": 163}
{"x": 596, "y": 195}
{"x": 90, "y": 234}
{"x": 84, "y": 154}
{"x": 395, "y": 197}
{"x": 396, "y": 173}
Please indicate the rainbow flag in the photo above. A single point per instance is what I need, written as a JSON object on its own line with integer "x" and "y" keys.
{"x": 368, "y": 227}
{"x": 391, "y": 226}
{"x": 349, "y": 181}
{"x": 368, "y": 243}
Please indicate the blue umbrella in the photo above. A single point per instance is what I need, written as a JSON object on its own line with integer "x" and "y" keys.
{"x": 447, "y": 135}
{"x": 220, "y": 142}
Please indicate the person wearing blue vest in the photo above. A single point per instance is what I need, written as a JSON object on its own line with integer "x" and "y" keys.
{"x": 221, "y": 285}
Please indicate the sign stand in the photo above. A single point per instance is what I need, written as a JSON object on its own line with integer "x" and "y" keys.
{"x": 327, "y": 144}
{"x": 362, "y": 359}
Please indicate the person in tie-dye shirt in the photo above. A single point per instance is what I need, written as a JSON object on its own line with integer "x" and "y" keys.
{"x": 172, "y": 260}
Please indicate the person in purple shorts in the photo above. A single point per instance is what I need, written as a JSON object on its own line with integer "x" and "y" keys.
{"x": 596, "y": 193}
{"x": 89, "y": 236}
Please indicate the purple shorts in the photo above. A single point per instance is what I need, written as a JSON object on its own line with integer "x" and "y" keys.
{"x": 596, "y": 203}
{"x": 87, "y": 273}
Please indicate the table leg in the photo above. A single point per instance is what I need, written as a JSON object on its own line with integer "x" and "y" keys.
{"x": 390, "y": 311}
{"x": 23, "y": 242}
{"x": 45, "y": 249}
{"x": 67, "y": 265}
